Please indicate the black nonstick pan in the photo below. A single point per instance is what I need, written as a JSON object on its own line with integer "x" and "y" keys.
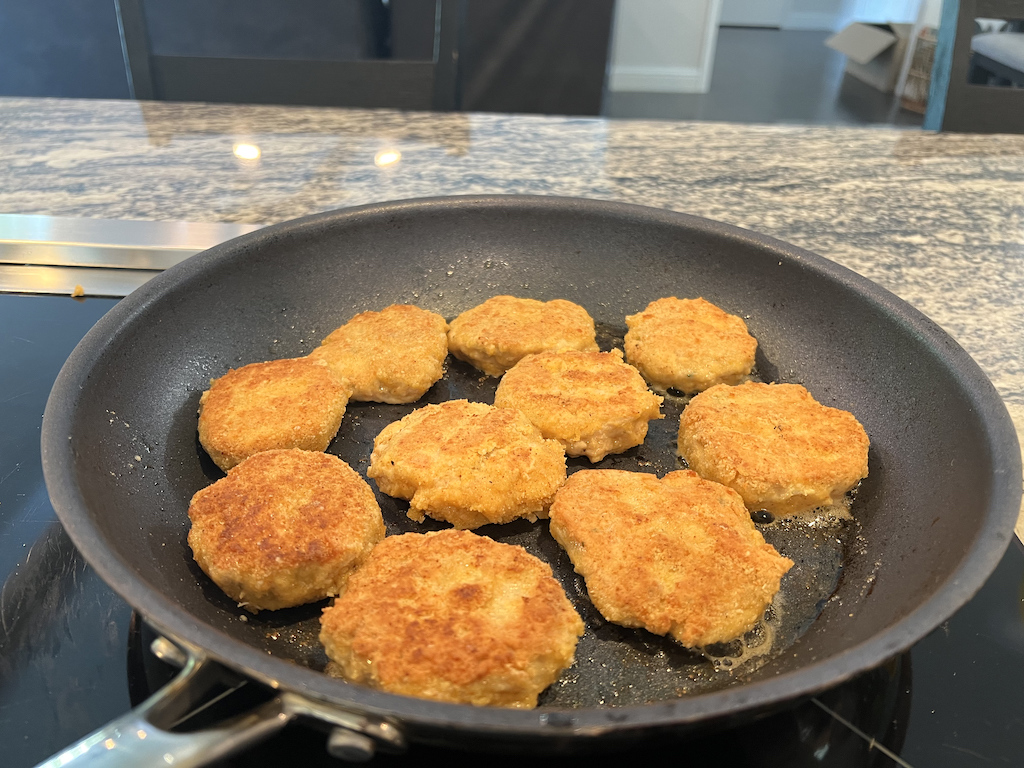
{"x": 931, "y": 521}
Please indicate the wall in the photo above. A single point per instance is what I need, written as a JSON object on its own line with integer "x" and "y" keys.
{"x": 663, "y": 45}
{"x": 64, "y": 48}
{"x": 931, "y": 13}
{"x": 815, "y": 14}
{"x": 832, "y": 15}
{"x": 881, "y": 11}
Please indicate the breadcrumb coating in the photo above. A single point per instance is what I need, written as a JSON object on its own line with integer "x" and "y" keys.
{"x": 468, "y": 464}
{"x": 689, "y": 345}
{"x": 591, "y": 402}
{"x": 452, "y": 616}
{"x": 391, "y": 356}
{"x": 775, "y": 445}
{"x": 497, "y": 334}
{"x": 677, "y": 556}
{"x": 290, "y": 403}
{"x": 284, "y": 528}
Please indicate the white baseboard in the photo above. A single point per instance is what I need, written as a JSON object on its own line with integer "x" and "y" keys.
{"x": 657, "y": 79}
{"x": 812, "y": 20}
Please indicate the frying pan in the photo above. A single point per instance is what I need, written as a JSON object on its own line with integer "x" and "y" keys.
{"x": 121, "y": 461}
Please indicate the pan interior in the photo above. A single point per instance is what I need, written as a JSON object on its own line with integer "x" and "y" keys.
{"x": 614, "y": 666}
{"x": 277, "y": 293}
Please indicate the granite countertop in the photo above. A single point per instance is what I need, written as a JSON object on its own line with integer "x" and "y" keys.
{"x": 938, "y": 219}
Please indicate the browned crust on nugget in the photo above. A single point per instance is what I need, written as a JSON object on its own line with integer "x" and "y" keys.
{"x": 590, "y": 402}
{"x": 689, "y": 345}
{"x": 284, "y": 528}
{"x": 391, "y": 356}
{"x": 497, "y": 334}
{"x": 775, "y": 445}
{"x": 468, "y": 464}
{"x": 290, "y": 403}
{"x": 452, "y": 616}
{"x": 677, "y": 556}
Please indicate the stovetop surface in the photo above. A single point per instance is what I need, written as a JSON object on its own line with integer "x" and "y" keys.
{"x": 72, "y": 658}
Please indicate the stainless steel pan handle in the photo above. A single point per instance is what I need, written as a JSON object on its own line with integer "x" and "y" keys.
{"x": 141, "y": 738}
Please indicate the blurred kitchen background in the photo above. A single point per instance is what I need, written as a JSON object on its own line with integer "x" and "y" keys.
{"x": 838, "y": 62}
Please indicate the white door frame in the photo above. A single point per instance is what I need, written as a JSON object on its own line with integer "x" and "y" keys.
{"x": 666, "y": 67}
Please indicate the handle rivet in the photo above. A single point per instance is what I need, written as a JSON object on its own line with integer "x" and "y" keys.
{"x": 349, "y": 745}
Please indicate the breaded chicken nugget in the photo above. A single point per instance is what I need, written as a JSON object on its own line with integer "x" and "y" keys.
{"x": 290, "y": 403}
{"x": 452, "y": 616}
{"x": 284, "y": 528}
{"x": 677, "y": 556}
{"x": 689, "y": 345}
{"x": 591, "y": 402}
{"x": 503, "y": 330}
{"x": 468, "y": 464}
{"x": 775, "y": 445}
{"x": 391, "y": 356}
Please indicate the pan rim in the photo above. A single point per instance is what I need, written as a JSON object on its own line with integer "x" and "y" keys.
{"x": 993, "y": 538}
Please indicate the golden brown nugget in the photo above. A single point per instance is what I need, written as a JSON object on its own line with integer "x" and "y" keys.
{"x": 468, "y": 464}
{"x": 391, "y": 356}
{"x": 677, "y": 556}
{"x": 284, "y": 528}
{"x": 689, "y": 345}
{"x": 452, "y": 616}
{"x": 775, "y": 445}
{"x": 503, "y": 330}
{"x": 290, "y": 403}
{"x": 591, "y": 402}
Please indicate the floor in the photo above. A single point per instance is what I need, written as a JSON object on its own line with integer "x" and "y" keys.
{"x": 771, "y": 76}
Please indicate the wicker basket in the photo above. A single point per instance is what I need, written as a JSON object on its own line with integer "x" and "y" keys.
{"x": 919, "y": 77}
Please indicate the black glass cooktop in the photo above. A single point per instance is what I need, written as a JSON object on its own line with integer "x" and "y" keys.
{"x": 73, "y": 656}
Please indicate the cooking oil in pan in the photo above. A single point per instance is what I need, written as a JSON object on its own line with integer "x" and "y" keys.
{"x": 743, "y": 652}
{"x": 618, "y": 666}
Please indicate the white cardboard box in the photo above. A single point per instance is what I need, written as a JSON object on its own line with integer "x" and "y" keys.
{"x": 874, "y": 52}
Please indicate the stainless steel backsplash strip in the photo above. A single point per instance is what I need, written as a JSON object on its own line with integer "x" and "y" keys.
{"x": 72, "y": 281}
{"x": 97, "y": 257}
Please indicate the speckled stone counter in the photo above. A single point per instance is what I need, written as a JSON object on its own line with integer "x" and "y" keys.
{"x": 938, "y": 219}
